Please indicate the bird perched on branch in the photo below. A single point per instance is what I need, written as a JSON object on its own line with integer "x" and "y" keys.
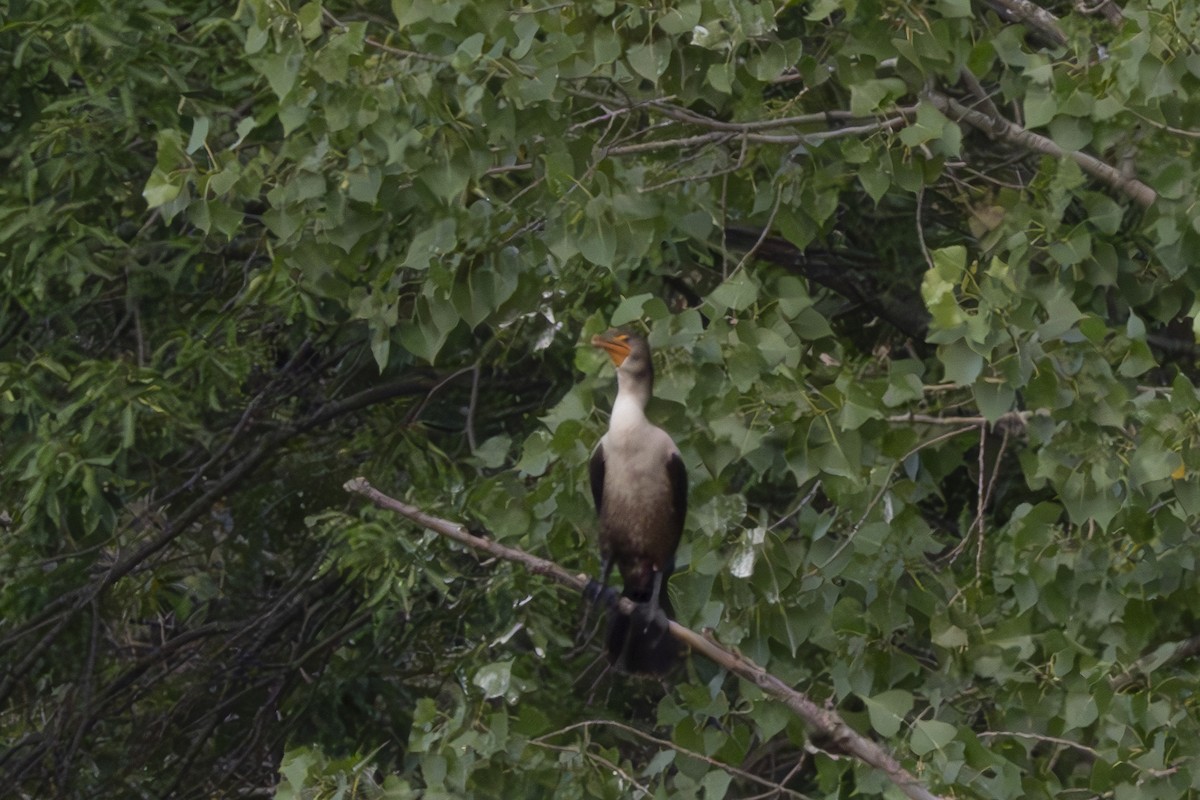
{"x": 640, "y": 487}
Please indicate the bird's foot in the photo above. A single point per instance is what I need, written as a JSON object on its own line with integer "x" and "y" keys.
{"x": 595, "y": 592}
{"x": 650, "y": 616}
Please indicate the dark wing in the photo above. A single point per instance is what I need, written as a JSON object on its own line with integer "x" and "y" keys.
{"x": 677, "y": 474}
{"x": 596, "y": 473}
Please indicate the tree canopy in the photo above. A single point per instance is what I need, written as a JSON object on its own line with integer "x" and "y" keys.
{"x": 919, "y": 280}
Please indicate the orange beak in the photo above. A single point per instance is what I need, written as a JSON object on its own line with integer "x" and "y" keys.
{"x": 615, "y": 343}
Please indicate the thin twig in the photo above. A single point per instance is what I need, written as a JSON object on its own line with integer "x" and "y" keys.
{"x": 980, "y": 501}
{"x": 689, "y": 178}
{"x": 666, "y": 144}
{"x": 765, "y": 231}
{"x": 732, "y": 770}
{"x": 807, "y": 499}
{"x": 1106, "y": 8}
{"x": 991, "y": 487}
{"x": 1038, "y": 737}
{"x": 415, "y": 414}
{"x": 1162, "y": 126}
{"x": 982, "y": 98}
{"x": 558, "y": 748}
{"x": 387, "y": 48}
{"x": 928, "y": 419}
{"x": 921, "y": 228}
{"x": 887, "y": 482}
{"x": 813, "y": 138}
{"x": 471, "y": 408}
{"x": 664, "y": 106}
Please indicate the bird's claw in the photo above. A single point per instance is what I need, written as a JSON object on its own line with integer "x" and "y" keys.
{"x": 595, "y": 592}
{"x": 648, "y": 615}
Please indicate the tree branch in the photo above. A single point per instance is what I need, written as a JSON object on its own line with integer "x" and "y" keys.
{"x": 1034, "y": 17}
{"x": 836, "y": 125}
{"x": 929, "y": 419}
{"x": 1159, "y": 657}
{"x": 849, "y": 274}
{"x": 68, "y": 605}
{"x": 822, "y": 721}
{"x": 998, "y": 127}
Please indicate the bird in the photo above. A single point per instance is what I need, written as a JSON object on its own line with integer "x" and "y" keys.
{"x": 639, "y": 485}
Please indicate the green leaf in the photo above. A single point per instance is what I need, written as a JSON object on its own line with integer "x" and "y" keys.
{"x": 954, "y": 8}
{"x": 737, "y": 293}
{"x": 852, "y": 415}
{"x": 161, "y": 188}
{"x": 598, "y": 244}
{"x": 994, "y": 398}
{"x": 468, "y": 52}
{"x": 1085, "y": 502}
{"x": 426, "y": 333}
{"x": 494, "y": 679}
{"x": 1080, "y": 710}
{"x": 681, "y": 19}
{"x": 309, "y": 18}
{"x": 716, "y": 784}
{"x": 962, "y": 364}
{"x": 949, "y": 636}
{"x": 1074, "y": 249}
{"x": 295, "y": 766}
{"x": 887, "y": 710}
{"x": 874, "y": 181}
{"x": 630, "y": 309}
{"x": 381, "y": 346}
{"x": 200, "y": 127}
{"x": 867, "y": 97}
{"x": 1040, "y": 107}
{"x": 720, "y": 77}
{"x": 821, "y": 9}
{"x": 281, "y": 70}
{"x": 811, "y": 324}
{"x": 448, "y": 177}
{"x": 1137, "y": 361}
{"x": 939, "y": 287}
{"x": 650, "y": 60}
{"x": 930, "y": 734}
{"x": 493, "y": 452}
{"x": 1152, "y": 462}
{"x": 432, "y": 243}
{"x": 904, "y": 384}
{"x": 930, "y": 124}
{"x": 1061, "y": 315}
{"x": 244, "y": 128}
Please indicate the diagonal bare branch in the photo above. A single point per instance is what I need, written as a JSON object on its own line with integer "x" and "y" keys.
{"x": 822, "y": 721}
{"x": 1000, "y": 128}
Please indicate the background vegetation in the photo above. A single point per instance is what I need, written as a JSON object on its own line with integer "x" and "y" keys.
{"x": 921, "y": 284}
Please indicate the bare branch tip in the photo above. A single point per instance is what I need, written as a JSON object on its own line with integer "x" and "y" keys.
{"x": 358, "y": 485}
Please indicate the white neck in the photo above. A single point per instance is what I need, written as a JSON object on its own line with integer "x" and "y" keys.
{"x": 629, "y": 409}
{"x": 631, "y": 390}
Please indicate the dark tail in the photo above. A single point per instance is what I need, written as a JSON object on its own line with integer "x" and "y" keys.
{"x": 640, "y": 643}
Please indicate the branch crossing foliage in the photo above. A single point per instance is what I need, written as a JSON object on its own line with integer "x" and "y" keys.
{"x": 921, "y": 281}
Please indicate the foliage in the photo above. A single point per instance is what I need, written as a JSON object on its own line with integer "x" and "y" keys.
{"x": 919, "y": 282}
